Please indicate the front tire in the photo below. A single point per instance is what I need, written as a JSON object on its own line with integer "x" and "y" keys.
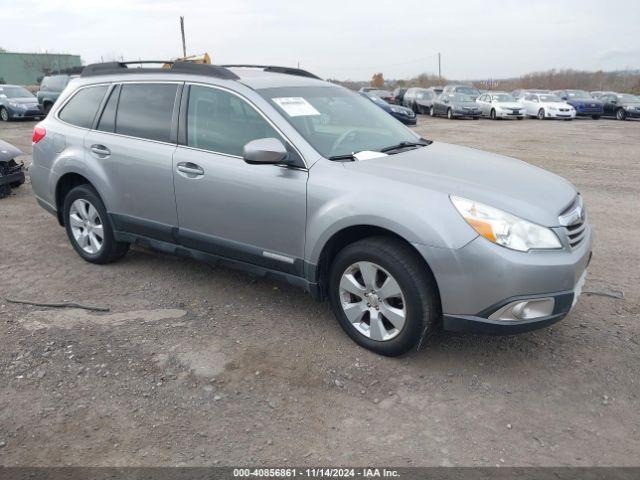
{"x": 4, "y": 114}
{"x": 432, "y": 111}
{"x": 621, "y": 114}
{"x": 492, "y": 115}
{"x": 89, "y": 228}
{"x": 450, "y": 114}
{"x": 541, "y": 114}
{"x": 383, "y": 296}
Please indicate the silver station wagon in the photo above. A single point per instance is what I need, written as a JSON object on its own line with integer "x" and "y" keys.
{"x": 275, "y": 171}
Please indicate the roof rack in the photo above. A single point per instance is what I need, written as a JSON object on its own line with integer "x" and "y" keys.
{"x": 273, "y": 68}
{"x": 175, "y": 66}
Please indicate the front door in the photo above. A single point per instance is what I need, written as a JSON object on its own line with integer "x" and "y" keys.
{"x": 252, "y": 213}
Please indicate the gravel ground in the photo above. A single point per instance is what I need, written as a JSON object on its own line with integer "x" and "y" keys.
{"x": 196, "y": 365}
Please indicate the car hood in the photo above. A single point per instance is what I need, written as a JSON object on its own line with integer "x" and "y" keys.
{"x": 8, "y": 151}
{"x": 496, "y": 180}
{"x": 25, "y": 100}
{"x": 507, "y": 104}
{"x": 584, "y": 101}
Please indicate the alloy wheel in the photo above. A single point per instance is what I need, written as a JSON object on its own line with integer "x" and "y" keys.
{"x": 4, "y": 114}
{"x": 86, "y": 226}
{"x": 620, "y": 114}
{"x": 541, "y": 114}
{"x": 373, "y": 301}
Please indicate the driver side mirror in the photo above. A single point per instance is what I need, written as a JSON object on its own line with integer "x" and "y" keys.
{"x": 265, "y": 151}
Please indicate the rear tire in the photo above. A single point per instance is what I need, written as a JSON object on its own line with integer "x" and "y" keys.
{"x": 89, "y": 228}
{"x": 541, "y": 114}
{"x": 417, "y": 298}
{"x": 621, "y": 114}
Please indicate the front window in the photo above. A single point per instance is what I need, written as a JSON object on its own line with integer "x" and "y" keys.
{"x": 503, "y": 97}
{"x": 579, "y": 94}
{"x": 336, "y": 121}
{"x": 15, "y": 92}
{"x": 550, "y": 98}
{"x": 460, "y": 97}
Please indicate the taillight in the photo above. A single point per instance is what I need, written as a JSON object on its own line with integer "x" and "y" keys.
{"x": 38, "y": 133}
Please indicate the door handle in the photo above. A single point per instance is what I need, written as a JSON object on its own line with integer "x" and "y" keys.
{"x": 100, "y": 150}
{"x": 190, "y": 168}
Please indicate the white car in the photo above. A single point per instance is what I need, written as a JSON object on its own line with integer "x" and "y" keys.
{"x": 547, "y": 105}
{"x": 499, "y": 105}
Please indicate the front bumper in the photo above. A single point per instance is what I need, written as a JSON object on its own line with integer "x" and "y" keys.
{"x": 480, "y": 278}
{"x": 15, "y": 176}
{"x": 633, "y": 113}
{"x": 559, "y": 114}
{"x": 507, "y": 114}
{"x": 29, "y": 113}
{"x": 404, "y": 118}
{"x": 466, "y": 113}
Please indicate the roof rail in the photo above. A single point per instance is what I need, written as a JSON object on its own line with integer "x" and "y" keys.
{"x": 274, "y": 68}
{"x": 175, "y": 66}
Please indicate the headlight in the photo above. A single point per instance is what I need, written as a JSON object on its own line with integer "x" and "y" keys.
{"x": 503, "y": 228}
{"x": 628, "y": 107}
{"x": 398, "y": 110}
{"x": 14, "y": 104}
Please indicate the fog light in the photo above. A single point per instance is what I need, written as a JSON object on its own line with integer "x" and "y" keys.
{"x": 525, "y": 310}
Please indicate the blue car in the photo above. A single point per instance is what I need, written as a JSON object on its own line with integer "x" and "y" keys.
{"x": 18, "y": 102}
{"x": 405, "y": 115}
{"x": 583, "y": 102}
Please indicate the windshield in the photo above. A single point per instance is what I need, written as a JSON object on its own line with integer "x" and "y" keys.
{"x": 15, "y": 92}
{"x": 625, "y": 97}
{"x": 550, "y": 98}
{"x": 474, "y": 92}
{"x": 503, "y": 97}
{"x": 578, "y": 94}
{"x": 336, "y": 121}
{"x": 460, "y": 97}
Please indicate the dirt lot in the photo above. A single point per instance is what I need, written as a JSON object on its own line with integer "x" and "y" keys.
{"x": 199, "y": 366}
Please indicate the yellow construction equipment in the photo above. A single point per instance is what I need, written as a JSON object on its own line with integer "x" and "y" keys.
{"x": 203, "y": 59}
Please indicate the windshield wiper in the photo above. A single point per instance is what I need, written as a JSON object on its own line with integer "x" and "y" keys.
{"x": 348, "y": 156}
{"x": 420, "y": 143}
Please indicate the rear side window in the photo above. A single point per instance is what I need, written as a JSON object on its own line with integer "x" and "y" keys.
{"x": 221, "y": 122}
{"x": 145, "y": 111}
{"x": 81, "y": 109}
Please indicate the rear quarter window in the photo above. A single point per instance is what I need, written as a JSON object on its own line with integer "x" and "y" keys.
{"x": 83, "y": 106}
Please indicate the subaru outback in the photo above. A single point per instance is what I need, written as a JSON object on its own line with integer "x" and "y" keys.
{"x": 275, "y": 171}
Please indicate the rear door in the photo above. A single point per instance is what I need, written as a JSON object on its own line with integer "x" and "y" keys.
{"x": 132, "y": 151}
{"x": 251, "y": 213}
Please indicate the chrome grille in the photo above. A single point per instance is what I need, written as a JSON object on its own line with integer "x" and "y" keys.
{"x": 574, "y": 221}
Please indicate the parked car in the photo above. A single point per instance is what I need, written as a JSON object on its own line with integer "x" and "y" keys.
{"x": 51, "y": 87}
{"x": 499, "y": 105}
{"x": 520, "y": 94}
{"x": 294, "y": 178}
{"x": 385, "y": 95}
{"x": 405, "y": 115}
{"x": 367, "y": 89}
{"x": 547, "y": 105}
{"x": 455, "y": 105}
{"x": 398, "y": 95}
{"x": 584, "y": 104}
{"x": 17, "y": 102}
{"x": 463, "y": 89}
{"x": 621, "y": 105}
{"x": 419, "y": 100}
{"x": 437, "y": 89}
{"x": 11, "y": 172}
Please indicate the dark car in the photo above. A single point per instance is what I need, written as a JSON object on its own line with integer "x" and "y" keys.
{"x": 386, "y": 95}
{"x": 50, "y": 89}
{"x": 420, "y": 100}
{"x": 11, "y": 172}
{"x": 405, "y": 115}
{"x": 398, "y": 93}
{"x": 456, "y": 105}
{"x": 621, "y": 105}
{"x": 583, "y": 102}
{"x": 18, "y": 102}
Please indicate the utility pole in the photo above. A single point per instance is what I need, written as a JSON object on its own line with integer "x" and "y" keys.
{"x": 184, "y": 45}
{"x": 439, "y": 67}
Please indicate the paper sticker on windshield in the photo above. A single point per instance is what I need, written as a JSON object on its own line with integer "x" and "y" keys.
{"x": 296, "y": 106}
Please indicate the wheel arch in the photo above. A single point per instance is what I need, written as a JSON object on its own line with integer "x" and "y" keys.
{"x": 351, "y": 234}
{"x": 64, "y": 185}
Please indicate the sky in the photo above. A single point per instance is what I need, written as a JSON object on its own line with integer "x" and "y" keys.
{"x": 340, "y": 39}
